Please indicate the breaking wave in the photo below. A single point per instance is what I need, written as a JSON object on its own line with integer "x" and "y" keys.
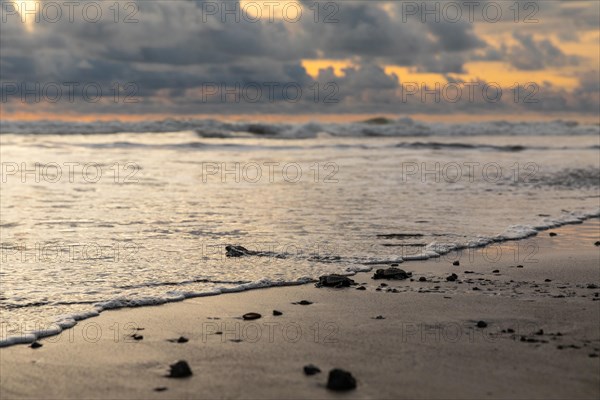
{"x": 378, "y": 127}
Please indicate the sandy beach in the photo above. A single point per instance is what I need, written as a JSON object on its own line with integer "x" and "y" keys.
{"x": 409, "y": 339}
{"x": 299, "y": 199}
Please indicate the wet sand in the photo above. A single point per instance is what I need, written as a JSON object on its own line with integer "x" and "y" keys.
{"x": 541, "y": 337}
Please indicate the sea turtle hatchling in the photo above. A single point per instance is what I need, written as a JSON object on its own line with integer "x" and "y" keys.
{"x": 336, "y": 281}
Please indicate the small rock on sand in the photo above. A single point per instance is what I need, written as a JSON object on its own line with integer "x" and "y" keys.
{"x": 251, "y": 316}
{"x": 452, "y": 278}
{"x": 456, "y": 263}
{"x": 180, "y": 339}
{"x": 422, "y": 279}
{"x": 311, "y": 369}
{"x": 160, "y": 389}
{"x": 303, "y": 303}
{"x": 180, "y": 369}
{"x": 481, "y": 324}
{"x": 597, "y": 243}
{"x": 361, "y": 288}
{"x": 496, "y": 271}
{"x": 340, "y": 380}
{"x": 277, "y": 313}
{"x": 552, "y": 234}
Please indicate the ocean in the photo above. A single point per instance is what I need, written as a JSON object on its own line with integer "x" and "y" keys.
{"x": 104, "y": 215}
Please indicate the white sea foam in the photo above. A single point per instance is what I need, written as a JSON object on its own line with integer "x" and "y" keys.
{"x": 514, "y": 232}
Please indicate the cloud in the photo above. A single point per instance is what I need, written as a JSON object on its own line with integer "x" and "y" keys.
{"x": 175, "y": 48}
{"x": 531, "y": 54}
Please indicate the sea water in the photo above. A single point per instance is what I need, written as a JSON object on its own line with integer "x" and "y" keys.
{"x": 105, "y": 215}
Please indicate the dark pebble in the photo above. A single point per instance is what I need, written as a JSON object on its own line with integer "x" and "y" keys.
{"x": 180, "y": 369}
{"x": 277, "y": 313}
{"x": 422, "y": 279}
{"x": 304, "y": 303}
{"x": 496, "y": 271}
{"x": 552, "y": 234}
{"x": 469, "y": 272}
{"x": 361, "y": 288}
{"x": 452, "y": 278}
{"x": 383, "y": 284}
{"x": 529, "y": 340}
{"x": 135, "y": 336}
{"x": 476, "y": 288}
{"x": 160, "y": 389}
{"x": 519, "y": 266}
{"x": 340, "y": 380}
{"x": 481, "y": 324}
{"x": 378, "y": 289}
{"x": 540, "y": 332}
{"x": 379, "y": 317}
{"x": 251, "y": 316}
{"x": 36, "y": 345}
{"x": 593, "y": 355}
{"x": 592, "y": 286}
{"x": 180, "y": 339}
{"x": 394, "y": 265}
{"x": 311, "y": 369}
{"x": 547, "y": 280}
{"x": 510, "y": 330}
{"x": 597, "y": 243}
{"x": 456, "y": 263}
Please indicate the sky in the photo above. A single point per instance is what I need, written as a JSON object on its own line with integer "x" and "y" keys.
{"x": 131, "y": 60}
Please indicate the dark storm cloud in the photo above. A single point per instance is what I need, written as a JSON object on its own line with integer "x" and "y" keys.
{"x": 174, "y": 49}
{"x": 370, "y": 33}
{"x": 531, "y": 54}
